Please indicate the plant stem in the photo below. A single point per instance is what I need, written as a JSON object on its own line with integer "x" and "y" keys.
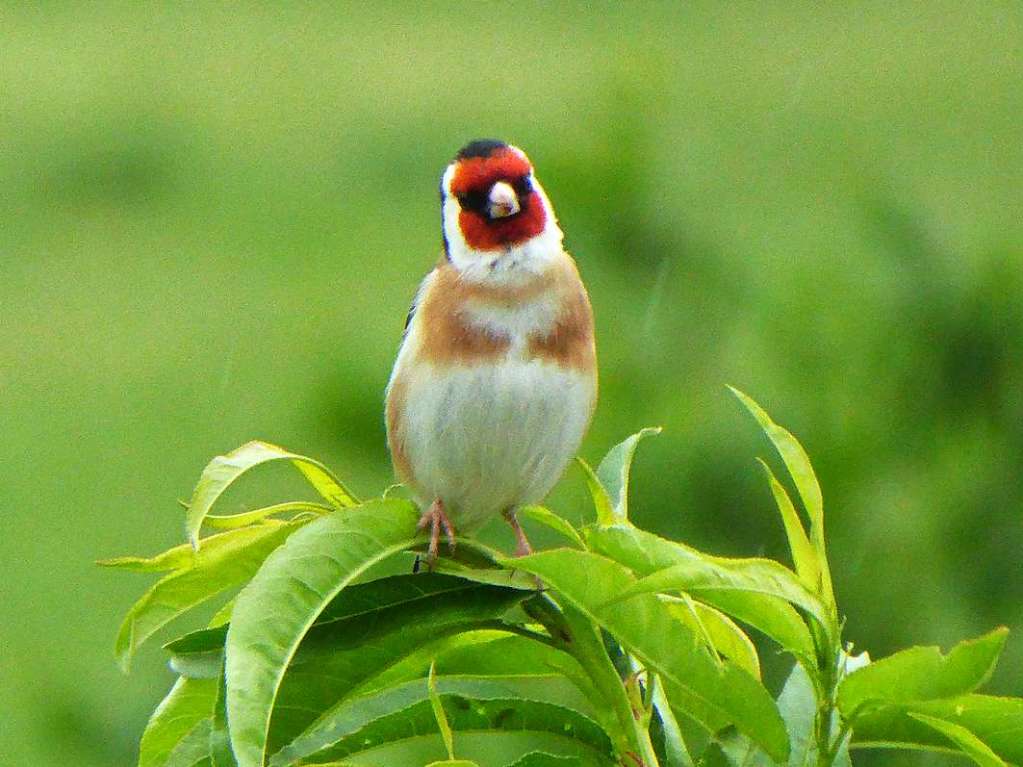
{"x": 580, "y": 637}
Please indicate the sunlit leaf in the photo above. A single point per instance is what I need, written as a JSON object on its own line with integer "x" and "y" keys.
{"x": 613, "y": 472}
{"x": 969, "y": 743}
{"x": 921, "y": 673}
{"x": 176, "y": 558}
{"x": 601, "y": 500}
{"x": 645, "y": 553}
{"x": 719, "y": 631}
{"x": 646, "y": 628}
{"x": 223, "y": 470}
{"x": 231, "y": 521}
{"x": 229, "y": 560}
{"x": 548, "y": 518}
{"x": 804, "y": 557}
{"x": 181, "y": 723}
{"x": 439, "y": 715}
{"x": 701, "y": 573}
{"x": 276, "y": 608}
{"x": 800, "y": 469}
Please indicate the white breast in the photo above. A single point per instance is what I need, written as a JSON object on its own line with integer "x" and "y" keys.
{"x": 493, "y": 436}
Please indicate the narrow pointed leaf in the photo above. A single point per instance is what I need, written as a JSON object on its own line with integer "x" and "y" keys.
{"x": 278, "y": 606}
{"x": 177, "y": 558}
{"x": 231, "y": 521}
{"x": 800, "y": 469}
{"x": 804, "y": 556}
{"x": 968, "y": 743}
{"x": 601, "y": 500}
{"x": 183, "y": 716}
{"x": 230, "y": 560}
{"x": 921, "y": 673}
{"x": 439, "y": 715}
{"x": 613, "y": 472}
{"x": 646, "y": 628}
{"x": 223, "y": 470}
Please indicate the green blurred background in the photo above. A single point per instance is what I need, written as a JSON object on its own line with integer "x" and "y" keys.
{"x": 212, "y": 220}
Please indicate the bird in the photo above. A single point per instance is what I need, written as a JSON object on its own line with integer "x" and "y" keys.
{"x": 495, "y": 381}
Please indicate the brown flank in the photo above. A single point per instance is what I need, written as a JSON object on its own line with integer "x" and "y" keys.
{"x": 570, "y": 342}
{"x": 395, "y": 437}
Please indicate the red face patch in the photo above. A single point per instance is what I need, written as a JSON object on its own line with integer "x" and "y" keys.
{"x": 475, "y": 176}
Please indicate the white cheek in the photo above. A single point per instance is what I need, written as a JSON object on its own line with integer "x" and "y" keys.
{"x": 509, "y": 266}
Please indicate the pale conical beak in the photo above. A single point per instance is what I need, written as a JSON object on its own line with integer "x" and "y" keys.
{"x": 503, "y": 201}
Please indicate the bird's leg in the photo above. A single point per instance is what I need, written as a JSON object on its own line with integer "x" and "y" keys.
{"x": 522, "y": 547}
{"x": 436, "y": 519}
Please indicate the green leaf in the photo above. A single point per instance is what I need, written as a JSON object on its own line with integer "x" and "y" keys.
{"x": 231, "y": 521}
{"x": 800, "y": 469}
{"x": 180, "y": 721}
{"x": 601, "y": 500}
{"x": 282, "y": 601}
{"x": 969, "y": 743}
{"x": 439, "y": 715}
{"x": 803, "y": 554}
{"x": 177, "y": 558}
{"x": 221, "y": 754}
{"x": 540, "y": 759}
{"x": 646, "y": 628}
{"x": 701, "y": 573}
{"x": 347, "y": 657}
{"x": 921, "y": 673}
{"x": 719, "y": 631}
{"x": 407, "y": 713}
{"x": 228, "y": 560}
{"x": 613, "y": 472}
{"x": 998, "y": 722}
{"x": 798, "y": 706}
{"x": 645, "y": 553}
{"x": 676, "y": 751}
{"x": 223, "y": 470}
{"x": 545, "y": 516}
{"x": 493, "y": 748}
{"x": 347, "y": 727}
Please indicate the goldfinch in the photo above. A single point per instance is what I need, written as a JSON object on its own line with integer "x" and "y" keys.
{"x": 496, "y": 378}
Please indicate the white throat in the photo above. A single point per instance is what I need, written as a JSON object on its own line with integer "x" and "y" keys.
{"x": 511, "y": 265}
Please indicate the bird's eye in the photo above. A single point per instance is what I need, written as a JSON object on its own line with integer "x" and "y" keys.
{"x": 523, "y": 185}
{"x": 474, "y": 201}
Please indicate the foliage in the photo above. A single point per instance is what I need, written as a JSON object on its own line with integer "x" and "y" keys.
{"x": 634, "y": 652}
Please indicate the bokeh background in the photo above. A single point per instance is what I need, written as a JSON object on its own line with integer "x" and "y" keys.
{"x": 212, "y": 219}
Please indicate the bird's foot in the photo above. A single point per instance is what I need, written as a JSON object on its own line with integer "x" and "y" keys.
{"x": 522, "y": 547}
{"x": 436, "y": 519}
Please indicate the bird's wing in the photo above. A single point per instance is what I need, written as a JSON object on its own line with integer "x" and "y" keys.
{"x": 416, "y": 301}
